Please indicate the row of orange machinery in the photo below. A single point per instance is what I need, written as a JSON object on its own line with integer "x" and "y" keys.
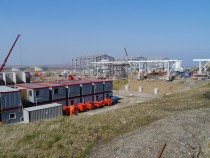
{"x": 81, "y": 107}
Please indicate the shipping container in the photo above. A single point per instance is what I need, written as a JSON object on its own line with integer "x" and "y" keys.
{"x": 57, "y": 91}
{"x": 9, "y": 78}
{"x": 72, "y": 88}
{"x": 21, "y": 77}
{"x": 74, "y": 101}
{"x": 108, "y": 85}
{"x": 108, "y": 94}
{"x": 34, "y": 93}
{"x": 87, "y": 98}
{"x": 64, "y": 102}
{"x": 98, "y": 87}
{"x": 98, "y": 97}
{"x": 2, "y": 82}
{"x": 38, "y": 113}
{"x": 11, "y": 116}
{"x": 9, "y": 97}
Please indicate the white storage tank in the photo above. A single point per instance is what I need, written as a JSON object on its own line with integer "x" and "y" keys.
{"x": 38, "y": 113}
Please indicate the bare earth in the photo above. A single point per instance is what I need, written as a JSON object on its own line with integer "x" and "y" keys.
{"x": 187, "y": 135}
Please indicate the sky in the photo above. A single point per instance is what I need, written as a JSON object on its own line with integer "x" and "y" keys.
{"x": 54, "y": 32}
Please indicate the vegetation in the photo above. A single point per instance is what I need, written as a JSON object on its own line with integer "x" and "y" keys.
{"x": 74, "y": 137}
{"x": 117, "y": 84}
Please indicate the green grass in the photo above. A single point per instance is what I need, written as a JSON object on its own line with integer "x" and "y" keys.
{"x": 75, "y": 137}
{"x": 117, "y": 84}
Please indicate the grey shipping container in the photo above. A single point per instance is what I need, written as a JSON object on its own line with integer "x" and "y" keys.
{"x": 74, "y": 101}
{"x": 34, "y": 93}
{"x": 2, "y": 82}
{"x": 42, "y": 112}
{"x": 108, "y": 94}
{"x": 87, "y": 88}
{"x": 9, "y": 97}
{"x": 98, "y": 97}
{"x": 57, "y": 91}
{"x": 108, "y": 86}
{"x": 8, "y": 78}
{"x": 73, "y": 91}
{"x": 98, "y": 87}
{"x": 87, "y": 98}
{"x": 11, "y": 116}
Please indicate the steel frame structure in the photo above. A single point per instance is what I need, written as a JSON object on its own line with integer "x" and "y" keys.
{"x": 204, "y": 64}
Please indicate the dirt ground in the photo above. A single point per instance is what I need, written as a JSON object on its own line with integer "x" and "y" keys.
{"x": 187, "y": 135}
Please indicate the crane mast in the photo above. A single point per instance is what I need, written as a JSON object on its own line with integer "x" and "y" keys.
{"x": 5, "y": 60}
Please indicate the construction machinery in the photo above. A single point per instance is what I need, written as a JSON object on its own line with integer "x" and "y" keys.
{"x": 10, "y": 51}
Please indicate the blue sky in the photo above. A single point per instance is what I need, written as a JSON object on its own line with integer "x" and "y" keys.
{"x": 54, "y": 32}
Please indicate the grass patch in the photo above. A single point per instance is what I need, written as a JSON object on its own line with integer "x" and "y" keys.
{"x": 75, "y": 137}
{"x": 117, "y": 84}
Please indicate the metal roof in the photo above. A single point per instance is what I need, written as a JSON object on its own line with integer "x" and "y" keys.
{"x": 45, "y": 106}
{"x": 5, "y": 89}
{"x": 32, "y": 86}
{"x": 50, "y": 84}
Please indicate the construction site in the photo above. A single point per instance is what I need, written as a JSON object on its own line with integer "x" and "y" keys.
{"x": 106, "y": 98}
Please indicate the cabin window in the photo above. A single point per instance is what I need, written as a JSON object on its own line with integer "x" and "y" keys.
{"x": 30, "y": 92}
{"x": 12, "y": 116}
{"x": 37, "y": 93}
{"x": 56, "y": 91}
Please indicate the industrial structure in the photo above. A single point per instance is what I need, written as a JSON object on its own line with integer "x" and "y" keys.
{"x": 84, "y": 62}
{"x": 204, "y": 66}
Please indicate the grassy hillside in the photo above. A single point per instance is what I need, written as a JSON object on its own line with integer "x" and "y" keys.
{"x": 74, "y": 137}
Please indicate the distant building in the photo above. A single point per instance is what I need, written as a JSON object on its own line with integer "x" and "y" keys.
{"x": 84, "y": 62}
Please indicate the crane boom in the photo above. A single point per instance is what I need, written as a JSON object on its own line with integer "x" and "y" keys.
{"x": 5, "y": 60}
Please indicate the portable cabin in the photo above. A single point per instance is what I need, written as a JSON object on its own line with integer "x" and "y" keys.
{"x": 63, "y": 102}
{"x": 108, "y": 94}
{"x": 87, "y": 98}
{"x": 57, "y": 91}
{"x": 98, "y": 96}
{"x": 42, "y": 112}
{"x": 2, "y": 82}
{"x": 10, "y": 105}
{"x": 21, "y": 77}
{"x": 72, "y": 88}
{"x": 86, "y": 86}
{"x": 98, "y": 86}
{"x": 9, "y": 78}
{"x": 74, "y": 101}
{"x": 108, "y": 85}
{"x": 34, "y": 93}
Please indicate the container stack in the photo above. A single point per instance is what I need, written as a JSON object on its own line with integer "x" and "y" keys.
{"x": 10, "y": 105}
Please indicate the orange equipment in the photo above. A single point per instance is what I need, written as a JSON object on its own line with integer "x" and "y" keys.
{"x": 108, "y": 101}
{"x": 82, "y": 107}
{"x": 66, "y": 110}
{"x": 90, "y": 106}
{"x": 98, "y": 104}
{"x": 71, "y": 77}
{"x": 103, "y": 103}
{"x": 73, "y": 110}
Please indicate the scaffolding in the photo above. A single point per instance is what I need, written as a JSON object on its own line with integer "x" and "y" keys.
{"x": 204, "y": 66}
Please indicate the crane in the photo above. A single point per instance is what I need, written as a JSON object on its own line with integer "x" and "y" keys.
{"x": 5, "y": 60}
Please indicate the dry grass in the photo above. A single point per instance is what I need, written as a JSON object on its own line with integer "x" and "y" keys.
{"x": 74, "y": 137}
{"x": 117, "y": 84}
